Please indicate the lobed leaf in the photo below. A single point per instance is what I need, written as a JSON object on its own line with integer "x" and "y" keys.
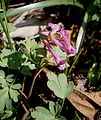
{"x": 2, "y": 73}
{"x": 52, "y": 108}
{"x": 59, "y": 85}
{"x": 9, "y": 78}
{"x": 52, "y": 76}
{"x": 16, "y": 86}
{"x": 7, "y": 114}
{"x": 14, "y": 94}
{"x": 54, "y": 86}
{"x": 3, "y": 98}
{"x": 70, "y": 88}
{"x": 42, "y": 113}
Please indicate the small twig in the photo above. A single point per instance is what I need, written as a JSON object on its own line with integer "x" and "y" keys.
{"x": 24, "y": 100}
{"x": 27, "y": 113}
{"x": 23, "y": 94}
{"x": 24, "y": 107}
{"x": 31, "y": 89}
{"x": 23, "y": 85}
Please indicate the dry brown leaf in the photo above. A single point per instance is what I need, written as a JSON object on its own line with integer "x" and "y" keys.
{"x": 80, "y": 102}
{"x": 93, "y": 96}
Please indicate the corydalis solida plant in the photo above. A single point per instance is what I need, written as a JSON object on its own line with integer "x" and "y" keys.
{"x": 57, "y": 35}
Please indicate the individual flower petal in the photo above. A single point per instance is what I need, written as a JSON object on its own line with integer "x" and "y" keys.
{"x": 45, "y": 33}
{"x": 54, "y": 28}
{"x": 68, "y": 48}
{"x": 60, "y": 62}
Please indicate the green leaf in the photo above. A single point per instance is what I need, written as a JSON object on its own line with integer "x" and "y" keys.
{"x": 70, "y": 88}
{"x": 28, "y": 64}
{"x": 59, "y": 85}
{"x": 14, "y": 94}
{"x": 57, "y": 108}
{"x": 2, "y": 78}
{"x": 52, "y": 76}
{"x": 82, "y": 32}
{"x": 94, "y": 74}
{"x": 63, "y": 83}
{"x": 95, "y": 17}
{"x": 9, "y": 78}
{"x": 41, "y": 52}
{"x": 41, "y": 113}
{"x": 15, "y": 60}
{"x": 8, "y": 113}
{"x": 8, "y": 103}
{"x": 26, "y": 70}
{"x": 2, "y": 73}
{"x": 16, "y": 86}
{"x": 52, "y": 84}
{"x": 3, "y": 81}
{"x": 42, "y": 4}
{"x": 29, "y": 44}
{"x": 3, "y": 62}
{"x": 32, "y": 66}
{"x": 52, "y": 108}
{"x": 3, "y": 98}
{"x": 5, "y": 52}
{"x": 12, "y": 59}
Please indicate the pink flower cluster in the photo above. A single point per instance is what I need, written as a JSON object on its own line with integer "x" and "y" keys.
{"x": 59, "y": 36}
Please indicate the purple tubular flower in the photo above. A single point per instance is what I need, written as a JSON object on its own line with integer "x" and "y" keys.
{"x": 65, "y": 44}
{"x": 62, "y": 41}
{"x": 69, "y": 49}
{"x": 60, "y": 62}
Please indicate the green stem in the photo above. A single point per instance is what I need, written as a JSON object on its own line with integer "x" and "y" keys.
{"x": 5, "y": 27}
{"x": 63, "y": 100}
{"x": 76, "y": 58}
